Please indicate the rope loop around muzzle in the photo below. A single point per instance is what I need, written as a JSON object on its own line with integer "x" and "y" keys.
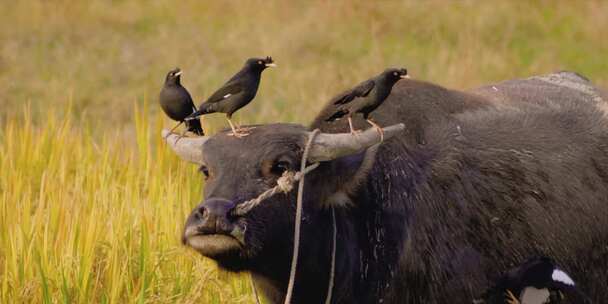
{"x": 284, "y": 185}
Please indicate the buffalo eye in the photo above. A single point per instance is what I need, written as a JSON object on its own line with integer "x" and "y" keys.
{"x": 279, "y": 167}
{"x": 203, "y": 169}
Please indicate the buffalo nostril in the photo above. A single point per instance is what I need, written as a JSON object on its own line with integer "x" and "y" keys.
{"x": 200, "y": 212}
{"x": 211, "y": 217}
{"x": 219, "y": 207}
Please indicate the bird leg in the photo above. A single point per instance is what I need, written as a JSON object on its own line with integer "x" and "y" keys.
{"x": 183, "y": 134}
{"x": 171, "y": 132}
{"x": 235, "y": 131}
{"x": 241, "y": 128}
{"x": 350, "y": 124}
{"x": 377, "y": 128}
{"x": 511, "y": 299}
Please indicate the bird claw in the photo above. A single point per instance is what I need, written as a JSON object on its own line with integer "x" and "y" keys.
{"x": 511, "y": 299}
{"x": 178, "y": 138}
{"x": 378, "y": 128}
{"x": 245, "y": 129}
{"x": 169, "y": 134}
{"x": 239, "y": 133}
{"x": 381, "y": 133}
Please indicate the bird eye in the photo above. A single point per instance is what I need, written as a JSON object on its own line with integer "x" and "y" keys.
{"x": 279, "y": 167}
{"x": 260, "y": 62}
{"x": 203, "y": 169}
{"x": 395, "y": 73}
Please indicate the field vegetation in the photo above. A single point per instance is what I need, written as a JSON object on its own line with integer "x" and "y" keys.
{"x": 92, "y": 203}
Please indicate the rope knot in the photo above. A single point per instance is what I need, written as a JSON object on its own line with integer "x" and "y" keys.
{"x": 285, "y": 182}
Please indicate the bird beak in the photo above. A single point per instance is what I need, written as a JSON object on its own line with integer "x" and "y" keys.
{"x": 178, "y": 73}
{"x": 404, "y": 76}
{"x": 271, "y": 65}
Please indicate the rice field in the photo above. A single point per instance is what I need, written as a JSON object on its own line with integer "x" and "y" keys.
{"x": 86, "y": 220}
{"x": 92, "y": 203}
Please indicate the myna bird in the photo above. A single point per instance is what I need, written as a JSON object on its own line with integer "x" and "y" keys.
{"x": 177, "y": 103}
{"x": 536, "y": 281}
{"x": 366, "y": 97}
{"x": 236, "y": 92}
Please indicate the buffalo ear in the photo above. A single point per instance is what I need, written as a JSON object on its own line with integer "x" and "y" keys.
{"x": 352, "y": 172}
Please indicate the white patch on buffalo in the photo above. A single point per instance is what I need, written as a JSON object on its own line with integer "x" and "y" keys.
{"x": 531, "y": 295}
{"x": 560, "y": 276}
{"x": 339, "y": 199}
{"x": 603, "y": 106}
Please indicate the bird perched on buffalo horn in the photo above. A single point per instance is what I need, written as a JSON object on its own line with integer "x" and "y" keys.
{"x": 236, "y": 92}
{"x": 177, "y": 103}
{"x": 366, "y": 97}
{"x": 326, "y": 146}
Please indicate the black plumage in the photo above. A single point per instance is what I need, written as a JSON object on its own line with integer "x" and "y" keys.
{"x": 177, "y": 103}
{"x": 366, "y": 97}
{"x": 536, "y": 281}
{"x": 237, "y": 92}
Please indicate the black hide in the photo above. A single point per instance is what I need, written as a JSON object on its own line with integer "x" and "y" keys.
{"x": 479, "y": 181}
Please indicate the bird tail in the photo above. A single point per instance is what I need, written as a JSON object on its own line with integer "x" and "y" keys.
{"x": 194, "y": 126}
{"x": 339, "y": 114}
{"x": 205, "y": 108}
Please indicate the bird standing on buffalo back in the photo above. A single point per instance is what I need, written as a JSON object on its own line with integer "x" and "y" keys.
{"x": 536, "y": 281}
{"x": 236, "y": 92}
{"x": 177, "y": 103}
{"x": 366, "y": 97}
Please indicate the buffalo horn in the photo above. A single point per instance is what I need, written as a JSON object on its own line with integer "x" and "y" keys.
{"x": 188, "y": 148}
{"x": 328, "y": 146}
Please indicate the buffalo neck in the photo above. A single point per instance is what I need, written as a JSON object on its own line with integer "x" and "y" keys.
{"x": 371, "y": 236}
{"x": 271, "y": 269}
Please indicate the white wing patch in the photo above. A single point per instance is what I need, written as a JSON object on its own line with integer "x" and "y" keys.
{"x": 227, "y": 95}
{"x": 560, "y": 276}
{"x": 531, "y": 295}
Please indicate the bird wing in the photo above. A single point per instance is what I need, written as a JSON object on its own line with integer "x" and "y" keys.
{"x": 225, "y": 91}
{"x": 190, "y": 101}
{"x": 361, "y": 90}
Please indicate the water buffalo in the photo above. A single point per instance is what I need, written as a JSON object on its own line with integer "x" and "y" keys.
{"x": 478, "y": 182}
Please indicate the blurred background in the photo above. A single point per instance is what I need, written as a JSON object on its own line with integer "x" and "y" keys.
{"x": 92, "y": 203}
{"x": 102, "y": 57}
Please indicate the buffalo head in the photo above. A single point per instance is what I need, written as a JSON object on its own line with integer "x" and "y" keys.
{"x": 239, "y": 169}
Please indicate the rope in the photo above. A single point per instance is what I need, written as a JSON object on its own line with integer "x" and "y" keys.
{"x": 332, "y": 269}
{"x": 255, "y": 291}
{"x": 298, "y": 222}
{"x": 284, "y": 185}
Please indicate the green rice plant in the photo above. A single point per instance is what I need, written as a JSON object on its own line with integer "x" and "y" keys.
{"x": 84, "y": 221}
